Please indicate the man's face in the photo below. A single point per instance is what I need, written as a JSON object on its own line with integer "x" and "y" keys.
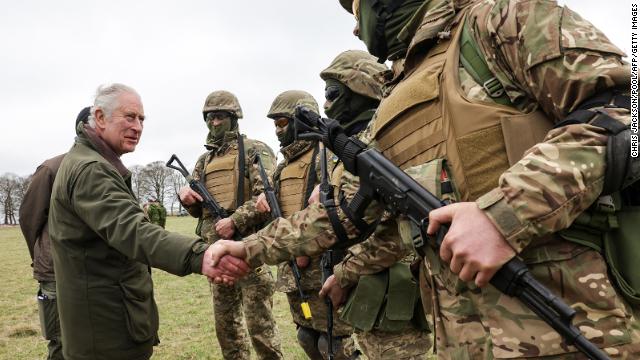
{"x": 123, "y": 129}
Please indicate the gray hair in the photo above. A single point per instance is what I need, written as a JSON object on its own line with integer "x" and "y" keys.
{"x": 106, "y": 99}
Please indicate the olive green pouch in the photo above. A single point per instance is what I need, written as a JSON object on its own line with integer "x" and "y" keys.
{"x": 364, "y": 303}
{"x": 402, "y": 294}
{"x": 622, "y": 252}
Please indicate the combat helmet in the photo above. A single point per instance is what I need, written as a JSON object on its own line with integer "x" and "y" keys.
{"x": 285, "y": 103}
{"x": 222, "y": 100}
{"x": 359, "y": 71}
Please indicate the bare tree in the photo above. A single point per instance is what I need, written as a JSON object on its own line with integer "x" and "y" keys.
{"x": 136, "y": 181}
{"x": 12, "y": 189}
{"x": 155, "y": 180}
{"x": 177, "y": 181}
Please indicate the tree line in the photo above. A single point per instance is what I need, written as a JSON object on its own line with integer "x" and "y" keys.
{"x": 151, "y": 181}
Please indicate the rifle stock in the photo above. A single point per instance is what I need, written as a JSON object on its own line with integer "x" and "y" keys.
{"x": 208, "y": 201}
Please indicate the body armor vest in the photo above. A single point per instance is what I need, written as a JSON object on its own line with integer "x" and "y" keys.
{"x": 221, "y": 179}
{"x": 427, "y": 117}
{"x": 294, "y": 179}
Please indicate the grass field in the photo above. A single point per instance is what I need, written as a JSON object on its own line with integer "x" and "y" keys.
{"x": 186, "y": 316}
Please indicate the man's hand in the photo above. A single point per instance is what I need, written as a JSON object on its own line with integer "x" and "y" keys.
{"x": 225, "y": 228}
{"x": 331, "y": 288}
{"x": 262, "y": 205}
{"x": 227, "y": 247}
{"x": 227, "y": 270}
{"x": 314, "y": 198}
{"x": 302, "y": 261}
{"x": 189, "y": 197}
{"x": 473, "y": 247}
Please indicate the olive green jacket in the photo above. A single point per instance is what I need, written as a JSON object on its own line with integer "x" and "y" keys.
{"x": 102, "y": 247}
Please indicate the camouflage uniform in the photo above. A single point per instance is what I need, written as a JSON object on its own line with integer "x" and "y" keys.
{"x": 252, "y": 295}
{"x": 157, "y": 214}
{"x": 547, "y": 58}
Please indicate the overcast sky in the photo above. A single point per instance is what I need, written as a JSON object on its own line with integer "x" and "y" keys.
{"x": 55, "y": 53}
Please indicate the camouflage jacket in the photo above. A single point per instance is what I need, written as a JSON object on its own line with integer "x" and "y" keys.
{"x": 252, "y": 175}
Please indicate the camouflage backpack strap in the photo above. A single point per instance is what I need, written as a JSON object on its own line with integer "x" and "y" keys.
{"x": 477, "y": 67}
{"x": 242, "y": 167}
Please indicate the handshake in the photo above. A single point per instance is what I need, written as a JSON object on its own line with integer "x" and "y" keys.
{"x": 223, "y": 262}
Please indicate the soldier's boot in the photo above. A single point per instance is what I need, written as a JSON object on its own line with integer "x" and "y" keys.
{"x": 257, "y": 294}
{"x": 227, "y": 309}
{"x": 308, "y": 341}
{"x": 344, "y": 348}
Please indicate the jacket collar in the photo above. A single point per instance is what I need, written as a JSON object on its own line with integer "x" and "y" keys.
{"x": 89, "y": 137}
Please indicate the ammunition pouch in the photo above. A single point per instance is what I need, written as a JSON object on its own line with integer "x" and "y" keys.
{"x": 387, "y": 301}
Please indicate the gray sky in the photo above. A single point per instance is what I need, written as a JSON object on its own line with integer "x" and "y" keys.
{"x": 55, "y": 53}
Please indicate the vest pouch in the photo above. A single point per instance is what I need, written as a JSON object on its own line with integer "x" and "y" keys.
{"x": 293, "y": 181}
{"x": 622, "y": 252}
{"x": 221, "y": 180}
{"x": 430, "y": 176}
{"x": 140, "y": 309}
{"x": 365, "y": 301}
{"x": 402, "y": 295}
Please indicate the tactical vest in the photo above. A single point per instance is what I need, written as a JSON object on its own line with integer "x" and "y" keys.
{"x": 427, "y": 117}
{"x": 294, "y": 183}
{"x": 221, "y": 179}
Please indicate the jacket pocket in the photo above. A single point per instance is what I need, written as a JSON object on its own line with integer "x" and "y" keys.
{"x": 141, "y": 312}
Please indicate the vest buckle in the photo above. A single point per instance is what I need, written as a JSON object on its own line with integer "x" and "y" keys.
{"x": 493, "y": 87}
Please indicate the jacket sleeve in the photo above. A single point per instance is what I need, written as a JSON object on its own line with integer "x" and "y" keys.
{"x": 549, "y": 57}
{"x": 34, "y": 209}
{"x": 246, "y": 217}
{"x": 306, "y": 232}
{"x": 101, "y": 198}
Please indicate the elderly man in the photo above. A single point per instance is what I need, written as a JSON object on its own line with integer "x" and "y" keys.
{"x": 103, "y": 246}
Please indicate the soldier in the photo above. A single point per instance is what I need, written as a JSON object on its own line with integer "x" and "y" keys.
{"x": 294, "y": 180}
{"x": 353, "y": 90}
{"x": 103, "y": 245}
{"x": 480, "y": 84}
{"x": 34, "y": 213}
{"x": 157, "y": 213}
{"x": 227, "y": 172}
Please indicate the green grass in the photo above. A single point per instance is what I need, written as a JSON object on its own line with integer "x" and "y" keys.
{"x": 186, "y": 315}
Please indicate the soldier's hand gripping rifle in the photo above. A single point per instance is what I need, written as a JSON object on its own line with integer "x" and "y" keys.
{"x": 270, "y": 194}
{"x": 208, "y": 201}
{"x": 381, "y": 180}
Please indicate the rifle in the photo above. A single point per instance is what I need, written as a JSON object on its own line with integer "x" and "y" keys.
{"x": 208, "y": 201}
{"x": 326, "y": 193}
{"x": 270, "y": 194}
{"x": 380, "y": 179}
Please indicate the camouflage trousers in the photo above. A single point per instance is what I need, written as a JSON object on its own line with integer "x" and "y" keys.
{"x": 474, "y": 323}
{"x": 253, "y": 296}
{"x": 312, "y": 333}
{"x": 411, "y": 344}
{"x": 49, "y": 320}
